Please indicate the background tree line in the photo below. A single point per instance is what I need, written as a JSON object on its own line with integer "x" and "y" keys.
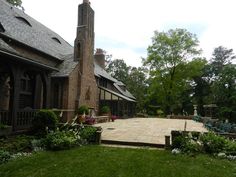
{"x": 174, "y": 76}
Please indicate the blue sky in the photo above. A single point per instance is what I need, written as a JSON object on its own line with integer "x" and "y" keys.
{"x": 124, "y": 28}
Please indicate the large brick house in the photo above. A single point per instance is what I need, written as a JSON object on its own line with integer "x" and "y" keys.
{"x": 39, "y": 69}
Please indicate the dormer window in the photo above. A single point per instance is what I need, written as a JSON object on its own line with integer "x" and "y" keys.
{"x": 56, "y": 40}
{"x": 1, "y": 28}
{"x": 23, "y": 20}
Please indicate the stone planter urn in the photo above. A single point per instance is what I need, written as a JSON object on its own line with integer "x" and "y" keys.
{"x": 195, "y": 110}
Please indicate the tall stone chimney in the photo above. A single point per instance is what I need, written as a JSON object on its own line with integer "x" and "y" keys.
{"x": 100, "y": 58}
{"x": 84, "y": 54}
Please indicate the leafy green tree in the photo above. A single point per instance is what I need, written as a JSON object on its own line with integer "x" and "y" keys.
{"x": 118, "y": 69}
{"x": 137, "y": 85}
{"x": 224, "y": 92}
{"x": 17, "y": 3}
{"x": 134, "y": 78}
{"x": 201, "y": 88}
{"x": 221, "y": 57}
{"x": 168, "y": 62}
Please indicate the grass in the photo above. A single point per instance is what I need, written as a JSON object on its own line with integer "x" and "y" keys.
{"x": 98, "y": 161}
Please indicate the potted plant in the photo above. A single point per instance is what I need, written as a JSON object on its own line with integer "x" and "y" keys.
{"x": 105, "y": 110}
{"x": 5, "y": 129}
{"x": 82, "y": 112}
{"x": 113, "y": 118}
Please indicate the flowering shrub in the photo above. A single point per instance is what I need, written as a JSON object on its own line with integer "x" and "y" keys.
{"x": 89, "y": 120}
{"x": 187, "y": 143}
{"x": 213, "y": 143}
{"x": 20, "y": 154}
{"x": 59, "y": 140}
{"x": 205, "y": 143}
{"x": 38, "y": 145}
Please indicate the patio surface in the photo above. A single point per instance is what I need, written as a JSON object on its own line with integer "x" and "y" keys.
{"x": 145, "y": 130}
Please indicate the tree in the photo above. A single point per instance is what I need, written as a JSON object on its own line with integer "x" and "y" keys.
{"x": 119, "y": 70}
{"x": 134, "y": 78}
{"x": 221, "y": 57}
{"x": 17, "y": 3}
{"x": 201, "y": 88}
{"x": 137, "y": 85}
{"x": 167, "y": 59}
{"x": 224, "y": 92}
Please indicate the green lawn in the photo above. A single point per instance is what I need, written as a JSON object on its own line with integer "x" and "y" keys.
{"x": 98, "y": 161}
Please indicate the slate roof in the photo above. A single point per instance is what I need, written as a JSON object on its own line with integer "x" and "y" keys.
{"x": 100, "y": 72}
{"x": 4, "y": 46}
{"x": 126, "y": 92}
{"x": 66, "y": 67}
{"x": 24, "y": 29}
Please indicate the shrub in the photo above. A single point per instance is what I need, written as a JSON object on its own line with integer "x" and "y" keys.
{"x": 16, "y": 144}
{"x": 179, "y": 142}
{"x": 105, "y": 110}
{"x": 231, "y": 147}
{"x": 83, "y": 110}
{"x": 43, "y": 119}
{"x": 192, "y": 146}
{"x": 213, "y": 143}
{"x": 88, "y": 133}
{"x": 4, "y": 156}
{"x": 160, "y": 112}
{"x": 60, "y": 140}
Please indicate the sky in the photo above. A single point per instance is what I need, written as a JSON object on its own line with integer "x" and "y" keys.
{"x": 124, "y": 28}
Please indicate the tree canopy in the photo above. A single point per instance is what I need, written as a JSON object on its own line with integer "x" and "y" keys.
{"x": 170, "y": 69}
{"x": 16, "y": 3}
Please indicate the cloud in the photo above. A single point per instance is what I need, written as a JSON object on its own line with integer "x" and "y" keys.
{"x": 124, "y": 28}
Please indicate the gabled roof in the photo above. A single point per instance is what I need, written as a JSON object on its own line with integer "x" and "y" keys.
{"x": 118, "y": 94}
{"x": 124, "y": 92}
{"x": 100, "y": 72}
{"x": 26, "y": 30}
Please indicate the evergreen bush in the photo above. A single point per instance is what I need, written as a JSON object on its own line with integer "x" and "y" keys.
{"x": 44, "y": 119}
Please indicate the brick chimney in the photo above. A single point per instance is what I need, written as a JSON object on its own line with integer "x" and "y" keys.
{"x": 86, "y": 1}
{"x": 84, "y": 54}
{"x": 100, "y": 58}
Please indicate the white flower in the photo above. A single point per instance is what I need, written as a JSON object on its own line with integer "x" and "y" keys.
{"x": 231, "y": 157}
{"x": 176, "y": 151}
{"x": 221, "y": 154}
